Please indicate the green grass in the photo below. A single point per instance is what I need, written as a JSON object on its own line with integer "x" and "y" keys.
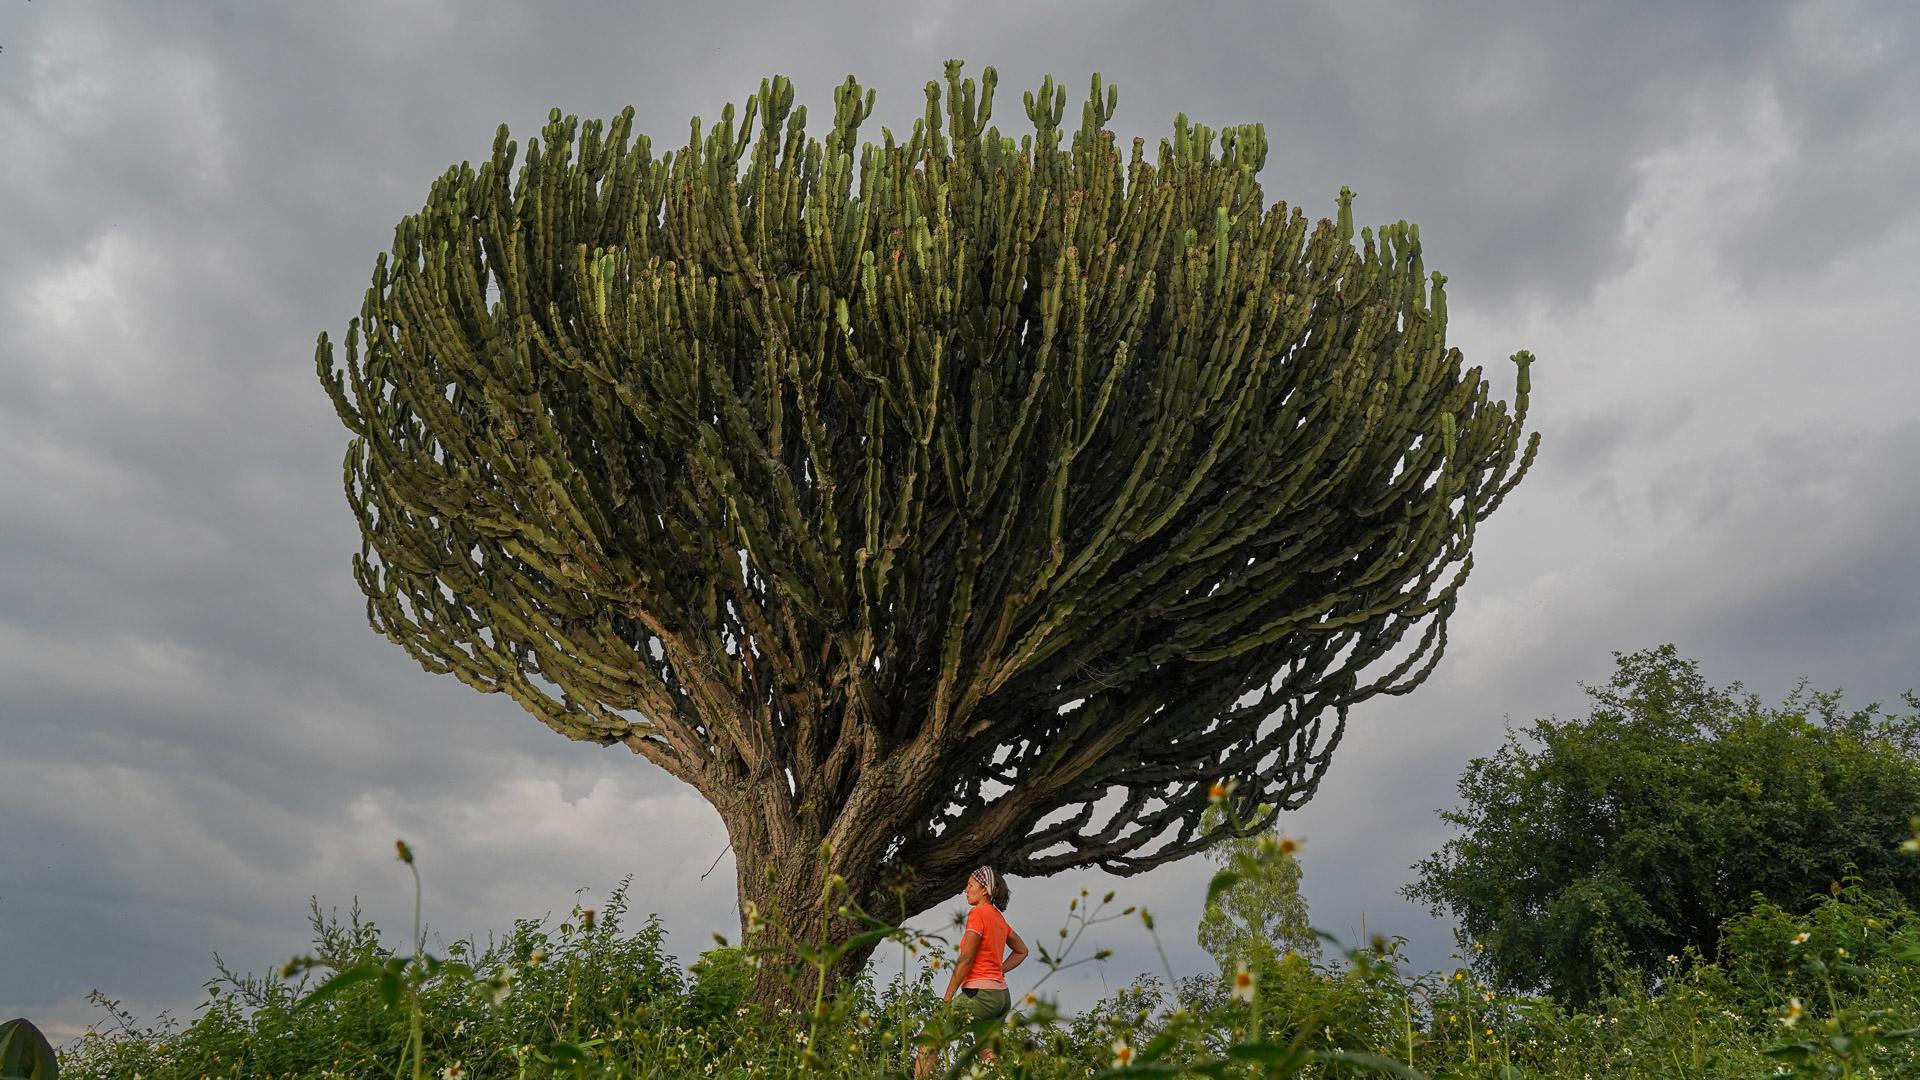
{"x": 595, "y": 994}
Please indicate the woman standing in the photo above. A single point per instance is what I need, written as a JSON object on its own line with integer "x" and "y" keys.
{"x": 980, "y": 974}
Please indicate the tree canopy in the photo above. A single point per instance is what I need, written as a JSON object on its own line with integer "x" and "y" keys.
{"x": 1263, "y": 916}
{"x": 940, "y": 500}
{"x": 1673, "y": 806}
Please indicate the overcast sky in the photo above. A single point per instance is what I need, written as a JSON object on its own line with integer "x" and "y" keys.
{"x": 1699, "y": 216}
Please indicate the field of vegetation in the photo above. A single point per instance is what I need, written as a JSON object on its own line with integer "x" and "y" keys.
{"x": 1828, "y": 992}
{"x": 1586, "y": 850}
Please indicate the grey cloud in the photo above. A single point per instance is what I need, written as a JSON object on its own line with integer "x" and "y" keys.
{"x": 1843, "y": 83}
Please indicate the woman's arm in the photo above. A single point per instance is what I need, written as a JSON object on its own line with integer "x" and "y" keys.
{"x": 969, "y": 947}
{"x": 1016, "y": 951}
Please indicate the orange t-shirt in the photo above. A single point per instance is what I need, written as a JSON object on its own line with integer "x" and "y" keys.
{"x": 987, "y": 921}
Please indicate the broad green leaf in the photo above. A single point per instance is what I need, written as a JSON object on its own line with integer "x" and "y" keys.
{"x": 1156, "y": 1049}
{"x": 26, "y": 1053}
{"x": 1222, "y": 881}
{"x": 355, "y": 974}
{"x": 981, "y": 1028}
{"x": 868, "y": 938}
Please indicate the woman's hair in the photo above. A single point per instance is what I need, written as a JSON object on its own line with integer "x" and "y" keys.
{"x": 996, "y": 886}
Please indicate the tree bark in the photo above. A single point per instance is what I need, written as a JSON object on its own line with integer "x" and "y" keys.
{"x": 787, "y": 896}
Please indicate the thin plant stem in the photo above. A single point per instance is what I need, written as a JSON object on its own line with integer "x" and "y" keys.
{"x": 414, "y": 1038}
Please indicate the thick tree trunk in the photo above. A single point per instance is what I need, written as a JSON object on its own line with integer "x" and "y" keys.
{"x": 785, "y": 898}
{"x": 791, "y": 845}
{"x": 794, "y": 906}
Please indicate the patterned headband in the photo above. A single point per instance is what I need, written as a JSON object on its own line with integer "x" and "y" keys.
{"x": 986, "y": 880}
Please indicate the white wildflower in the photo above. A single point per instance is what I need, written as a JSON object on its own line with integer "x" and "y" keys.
{"x": 1244, "y": 983}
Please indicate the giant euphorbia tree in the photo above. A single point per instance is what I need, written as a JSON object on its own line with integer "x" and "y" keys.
{"x": 945, "y": 500}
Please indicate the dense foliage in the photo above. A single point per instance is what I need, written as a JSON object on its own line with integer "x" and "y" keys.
{"x": 1633, "y": 833}
{"x": 598, "y": 1000}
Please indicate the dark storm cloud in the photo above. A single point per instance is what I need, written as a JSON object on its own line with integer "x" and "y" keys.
{"x": 200, "y": 730}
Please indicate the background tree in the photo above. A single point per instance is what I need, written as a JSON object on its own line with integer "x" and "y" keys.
{"x": 1263, "y": 915}
{"x": 1666, "y": 811}
{"x": 945, "y": 500}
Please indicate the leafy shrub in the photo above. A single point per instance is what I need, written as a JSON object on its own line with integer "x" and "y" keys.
{"x": 1646, "y": 824}
{"x": 1852, "y": 946}
{"x": 721, "y": 980}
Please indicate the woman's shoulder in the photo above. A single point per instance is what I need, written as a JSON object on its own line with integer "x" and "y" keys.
{"x": 984, "y": 915}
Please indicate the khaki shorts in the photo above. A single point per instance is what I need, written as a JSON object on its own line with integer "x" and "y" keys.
{"x": 974, "y": 1004}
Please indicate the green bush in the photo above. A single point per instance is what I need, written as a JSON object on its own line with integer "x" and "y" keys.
{"x": 1853, "y": 946}
{"x": 721, "y": 980}
{"x": 1645, "y": 825}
